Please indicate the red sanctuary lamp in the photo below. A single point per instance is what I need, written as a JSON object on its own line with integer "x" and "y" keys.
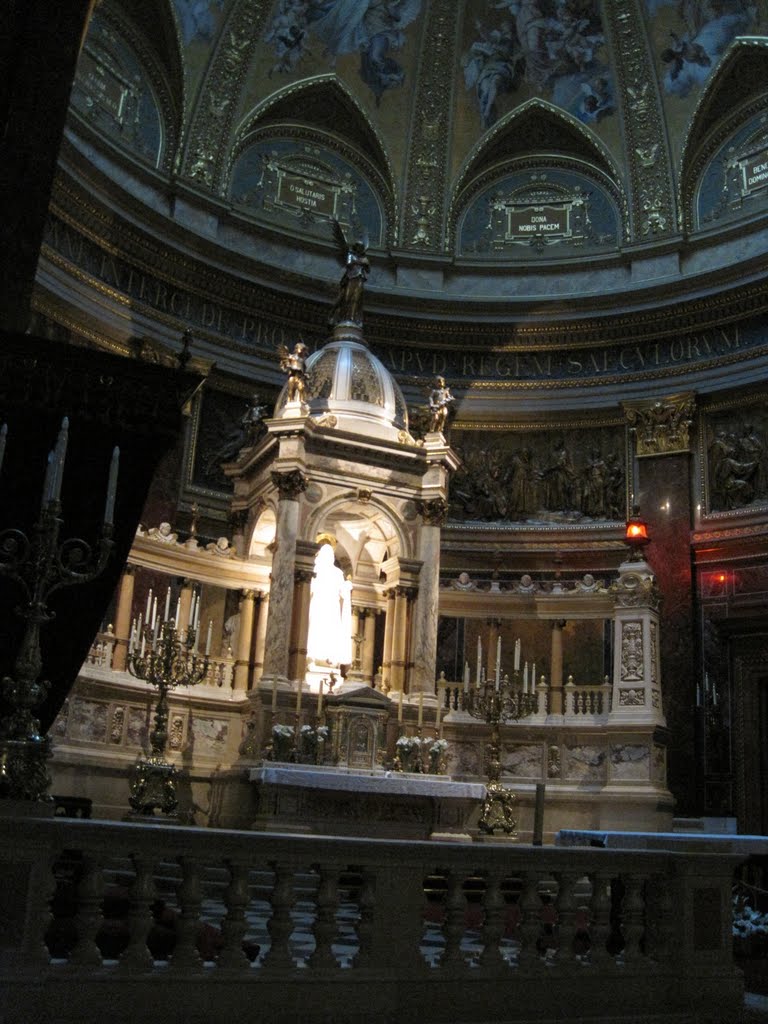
{"x": 636, "y": 534}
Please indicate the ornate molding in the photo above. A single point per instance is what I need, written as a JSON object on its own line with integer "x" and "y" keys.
{"x": 661, "y": 427}
{"x": 423, "y": 222}
{"x": 209, "y": 132}
{"x": 290, "y": 484}
{"x": 652, "y": 199}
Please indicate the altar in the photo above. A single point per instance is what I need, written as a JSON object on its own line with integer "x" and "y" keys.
{"x": 374, "y": 803}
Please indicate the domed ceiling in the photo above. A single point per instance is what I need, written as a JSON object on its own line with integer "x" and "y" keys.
{"x": 534, "y": 177}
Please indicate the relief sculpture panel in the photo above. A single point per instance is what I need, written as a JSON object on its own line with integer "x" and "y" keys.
{"x": 736, "y": 458}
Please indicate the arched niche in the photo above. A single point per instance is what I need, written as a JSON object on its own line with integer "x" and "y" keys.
{"x": 367, "y": 535}
{"x": 263, "y": 534}
{"x": 725, "y": 132}
{"x": 538, "y": 137}
{"x": 552, "y": 208}
{"x": 309, "y": 155}
{"x": 126, "y": 89}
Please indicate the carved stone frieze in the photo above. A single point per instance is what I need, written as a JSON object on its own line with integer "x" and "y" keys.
{"x": 426, "y": 176}
{"x": 289, "y": 485}
{"x": 661, "y": 426}
{"x": 208, "y": 138}
{"x": 631, "y": 654}
{"x": 630, "y": 697}
{"x": 652, "y": 199}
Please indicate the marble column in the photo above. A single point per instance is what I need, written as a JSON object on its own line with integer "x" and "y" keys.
{"x": 389, "y": 627}
{"x": 369, "y": 640}
{"x": 185, "y": 603}
{"x": 245, "y": 635}
{"x": 259, "y": 639}
{"x": 297, "y": 664}
{"x": 399, "y": 638}
{"x": 123, "y": 619}
{"x": 556, "y": 671}
{"x": 290, "y": 485}
{"x": 425, "y": 612}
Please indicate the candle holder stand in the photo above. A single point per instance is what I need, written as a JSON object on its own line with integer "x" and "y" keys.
{"x": 498, "y": 703}
{"x": 166, "y": 659}
{"x": 41, "y": 564}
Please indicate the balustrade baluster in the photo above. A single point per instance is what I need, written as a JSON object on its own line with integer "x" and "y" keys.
{"x": 530, "y": 922}
{"x": 280, "y": 925}
{"x": 365, "y": 926}
{"x": 633, "y": 917}
{"x": 185, "y": 953}
{"x": 600, "y": 924}
{"x": 40, "y": 889}
{"x": 566, "y": 916}
{"x": 136, "y": 956}
{"x": 659, "y": 919}
{"x": 88, "y": 917}
{"x": 324, "y": 930}
{"x": 493, "y": 922}
{"x": 234, "y": 925}
{"x": 454, "y": 923}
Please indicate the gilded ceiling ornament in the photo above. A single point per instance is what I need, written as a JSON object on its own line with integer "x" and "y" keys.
{"x": 661, "y": 426}
{"x": 652, "y": 199}
{"x": 428, "y": 152}
{"x": 211, "y": 125}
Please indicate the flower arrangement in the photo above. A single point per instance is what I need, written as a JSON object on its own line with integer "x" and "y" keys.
{"x": 746, "y": 920}
{"x": 408, "y": 743}
{"x": 282, "y": 743}
{"x": 436, "y": 752}
{"x": 310, "y": 737}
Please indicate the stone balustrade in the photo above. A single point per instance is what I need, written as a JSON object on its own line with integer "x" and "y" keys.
{"x": 154, "y": 922}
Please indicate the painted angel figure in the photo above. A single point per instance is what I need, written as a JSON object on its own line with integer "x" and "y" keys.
{"x": 295, "y": 365}
{"x": 348, "y": 307}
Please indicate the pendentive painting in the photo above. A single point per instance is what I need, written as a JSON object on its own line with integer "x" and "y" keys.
{"x": 692, "y": 35}
{"x": 553, "y": 49}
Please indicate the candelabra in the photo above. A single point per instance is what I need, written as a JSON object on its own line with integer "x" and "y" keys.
{"x": 164, "y": 656}
{"x": 41, "y": 564}
{"x": 496, "y": 702}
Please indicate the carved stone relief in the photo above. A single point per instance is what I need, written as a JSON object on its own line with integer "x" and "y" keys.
{"x": 522, "y": 760}
{"x": 630, "y": 697}
{"x": 631, "y": 652}
{"x": 630, "y": 761}
{"x": 585, "y": 763}
{"x": 539, "y": 477}
{"x": 737, "y": 458}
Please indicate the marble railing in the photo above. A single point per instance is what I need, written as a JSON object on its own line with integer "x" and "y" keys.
{"x": 159, "y": 922}
{"x": 220, "y": 670}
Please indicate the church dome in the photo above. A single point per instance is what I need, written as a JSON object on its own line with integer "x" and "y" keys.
{"x": 348, "y": 387}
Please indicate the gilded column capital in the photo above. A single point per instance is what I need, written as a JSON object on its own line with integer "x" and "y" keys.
{"x": 661, "y": 427}
{"x": 290, "y": 484}
{"x": 408, "y": 592}
{"x": 248, "y": 594}
{"x": 434, "y": 512}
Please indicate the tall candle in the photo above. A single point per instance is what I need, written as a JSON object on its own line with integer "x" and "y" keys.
{"x": 320, "y": 699}
{"x": 167, "y": 605}
{"x": 3, "y": 437}
{"x": 177, "y": 617}
{"x": 298, "y": 697}
{"x": 208, "y": 641}
{"x": 59, "y": 457}
{"x": 517, "y": 655}
{"x": 48, "y": 481}
{"x": 466, "y": 676}
{"x": 533, "y": 678}
{"x": 109, "y": 506}
{"x": 132, "y": 638}
{"x": 400, "y": 707}
{"x": 421, "y": 708}
{"x": 154, "y": 615}
{"x": 149, "y": 606}
{"x": 498, "y": 658}
{"x": 479, "y": 659}
{"x": 525, "y": 678}
{"x": 274, "y": 696}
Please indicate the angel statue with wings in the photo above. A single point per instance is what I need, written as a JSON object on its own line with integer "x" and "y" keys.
{"x": 295, "y": 365}
{"x": 348, "y": 307}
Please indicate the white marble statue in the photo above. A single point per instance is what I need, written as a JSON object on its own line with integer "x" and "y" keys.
{"x": 329, "y": 640}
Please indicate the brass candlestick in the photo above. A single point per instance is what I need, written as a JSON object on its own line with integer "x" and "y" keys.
{"x": 41, "y": 564}
{"x": 496, "y": 702}
{"x": 165, "y": 657}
